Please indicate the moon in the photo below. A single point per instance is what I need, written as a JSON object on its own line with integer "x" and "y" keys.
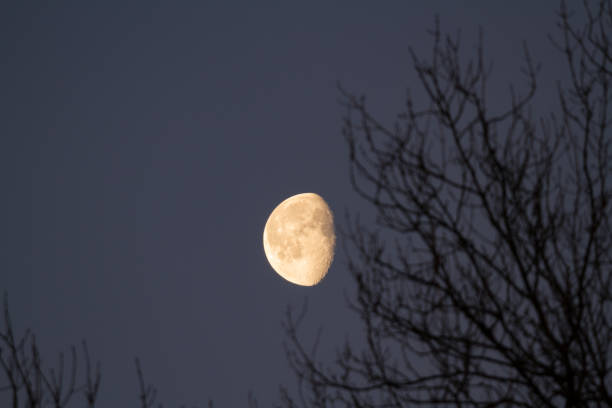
{"x": 299, "y": 239}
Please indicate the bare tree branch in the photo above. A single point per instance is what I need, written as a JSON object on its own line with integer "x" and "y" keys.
{"x": 488, "y": 278}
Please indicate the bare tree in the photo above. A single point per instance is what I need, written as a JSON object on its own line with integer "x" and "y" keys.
{"x": 488, "y": 278}
{"x": 31, "y": 383}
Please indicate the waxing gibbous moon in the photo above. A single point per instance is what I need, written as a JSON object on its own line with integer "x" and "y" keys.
{"x": 299, "y": 239}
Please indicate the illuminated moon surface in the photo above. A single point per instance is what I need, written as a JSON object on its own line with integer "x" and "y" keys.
{"x": 299, "y": 239}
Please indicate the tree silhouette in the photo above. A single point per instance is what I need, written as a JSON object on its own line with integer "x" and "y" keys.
{"x": 487, "y": 280}
{"x": 33, "y": 385}
{"x": 30, "y": 381}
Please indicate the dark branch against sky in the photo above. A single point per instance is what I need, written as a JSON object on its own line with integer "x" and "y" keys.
{"x": 142, "y": 147}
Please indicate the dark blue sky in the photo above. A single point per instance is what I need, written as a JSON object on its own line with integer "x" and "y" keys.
{"x": 144, "y": 144}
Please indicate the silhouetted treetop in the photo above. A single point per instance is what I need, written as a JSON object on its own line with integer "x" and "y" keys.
{"x": 487, "y": 280}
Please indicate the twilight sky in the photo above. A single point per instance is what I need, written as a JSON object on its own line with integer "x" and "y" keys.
{"x": 143, "y": 145}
